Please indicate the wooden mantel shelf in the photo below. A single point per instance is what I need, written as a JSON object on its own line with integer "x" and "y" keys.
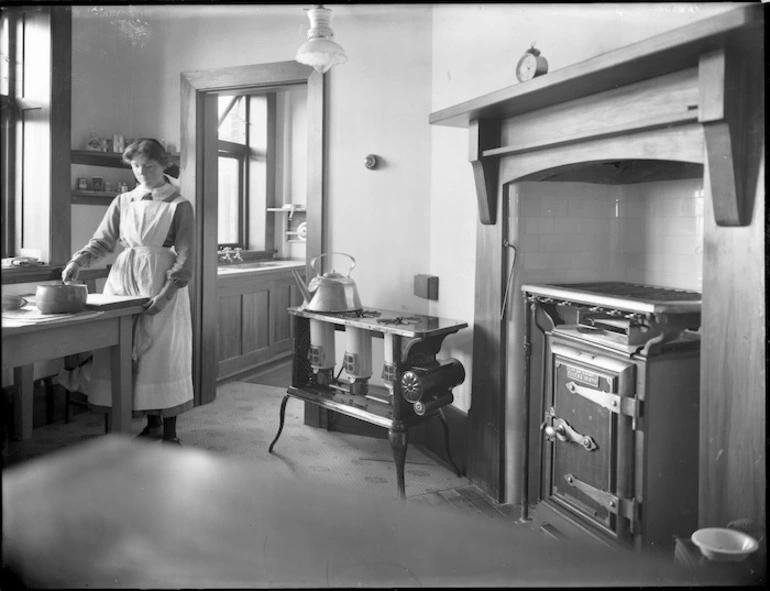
{"x": 724, "y": 52}
{"x": 656, "y": 56}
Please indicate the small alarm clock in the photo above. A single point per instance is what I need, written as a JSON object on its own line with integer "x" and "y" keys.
{"x": 531, "y": 64}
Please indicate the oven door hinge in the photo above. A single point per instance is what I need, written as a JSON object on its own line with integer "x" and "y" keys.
{"x": 628, "y": 508}
{"x": 624, "y": 405}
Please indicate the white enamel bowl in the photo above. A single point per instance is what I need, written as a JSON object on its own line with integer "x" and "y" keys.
{"x": 721, "y": 544}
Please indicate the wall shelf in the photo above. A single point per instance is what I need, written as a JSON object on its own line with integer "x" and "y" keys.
{"x": 107, "y": 159}
{"x": 292, "y": 221}
{"x": 92, "y": 197}
{"x": 289, "y": 210}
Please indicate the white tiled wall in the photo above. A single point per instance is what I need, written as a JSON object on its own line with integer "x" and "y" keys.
{"x": 645, "y": 233}
{"x": 661, "y": 233}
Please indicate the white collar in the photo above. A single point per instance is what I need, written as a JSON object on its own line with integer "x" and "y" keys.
{"x": 159, "y": 194}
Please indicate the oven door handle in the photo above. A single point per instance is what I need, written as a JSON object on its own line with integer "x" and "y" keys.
{"x": 561, "y": 430}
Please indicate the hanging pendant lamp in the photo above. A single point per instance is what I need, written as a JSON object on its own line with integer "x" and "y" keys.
{"x": 320, "y": 50}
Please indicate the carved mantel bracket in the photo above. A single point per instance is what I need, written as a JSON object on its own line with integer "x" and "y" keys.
{"x": 729, "y": 84}
{"x": 485, "y": 134}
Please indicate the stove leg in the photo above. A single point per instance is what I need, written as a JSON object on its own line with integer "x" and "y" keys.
{"x": 399, "y": 439}
{"x": 445, "y": 425}
{"x": 280, "y": 424}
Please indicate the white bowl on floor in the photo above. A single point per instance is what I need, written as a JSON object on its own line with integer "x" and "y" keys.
{"x": 721, "y": 544}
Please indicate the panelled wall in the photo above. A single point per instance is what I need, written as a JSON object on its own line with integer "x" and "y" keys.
{"x": 253, "y": 326}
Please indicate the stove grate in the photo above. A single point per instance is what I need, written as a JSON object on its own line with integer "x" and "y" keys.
{"x": 360, "y": 314}
{"x": 635, "y": 291}
{"x": 399, "y": 320}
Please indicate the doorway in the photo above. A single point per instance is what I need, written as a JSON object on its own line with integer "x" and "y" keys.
{"x": 199, "y": 163}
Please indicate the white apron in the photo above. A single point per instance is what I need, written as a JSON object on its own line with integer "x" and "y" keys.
{"x": 162, "y": 343}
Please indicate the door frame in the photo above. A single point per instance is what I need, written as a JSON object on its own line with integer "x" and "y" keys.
{"x": 198, "y": 180}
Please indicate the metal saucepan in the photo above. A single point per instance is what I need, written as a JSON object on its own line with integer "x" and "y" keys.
{"x": 61, "y": 298}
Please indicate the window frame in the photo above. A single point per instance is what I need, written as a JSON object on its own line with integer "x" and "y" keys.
{"x": 8, "y": 139}
{"x": 238, "y": 153}
{"x": 229, "y": 149}
{"x": 243, "y": 153}
{"x": 49, "y": 27}
{"x": 251, "y": 156}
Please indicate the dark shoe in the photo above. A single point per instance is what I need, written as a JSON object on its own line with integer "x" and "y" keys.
{"x": 153, "y": 433}
{"x": 172, "y": 441}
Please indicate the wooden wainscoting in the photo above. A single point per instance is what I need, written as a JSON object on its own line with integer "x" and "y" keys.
{"x": 254, "y": 328}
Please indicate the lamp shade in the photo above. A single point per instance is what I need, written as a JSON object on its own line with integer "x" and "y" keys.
{"x": 320, "y": 50}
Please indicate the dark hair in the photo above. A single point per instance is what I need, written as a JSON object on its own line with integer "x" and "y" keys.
{"x": 147, "y": 147}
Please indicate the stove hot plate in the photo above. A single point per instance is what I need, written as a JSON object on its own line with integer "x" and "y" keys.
{"x": 630, "y": 297}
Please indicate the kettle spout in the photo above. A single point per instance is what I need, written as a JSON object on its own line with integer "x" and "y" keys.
{"x": 306, "y": 295}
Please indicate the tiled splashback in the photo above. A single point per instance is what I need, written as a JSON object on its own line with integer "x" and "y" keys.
{"x": 644, "y": 233}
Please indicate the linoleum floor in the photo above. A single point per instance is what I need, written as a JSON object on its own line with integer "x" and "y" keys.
{"x": 242, "y": 422}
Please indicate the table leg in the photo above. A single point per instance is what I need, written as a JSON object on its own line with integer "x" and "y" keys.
{"x": 280, "y": 424}
{"x": 399, "y": 439}
{"x": 50, "y": 399}
{"x": 25, "y": 390}
{"x": 122, "y": 378}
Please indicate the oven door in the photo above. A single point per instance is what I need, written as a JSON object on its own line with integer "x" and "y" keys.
{"x": 588, "y": 439}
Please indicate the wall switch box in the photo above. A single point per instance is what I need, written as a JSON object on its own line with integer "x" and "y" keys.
{"x": 426, "y": 286}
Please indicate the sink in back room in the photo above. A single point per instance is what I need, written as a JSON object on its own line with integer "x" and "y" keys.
{"x": 257, "y": 265}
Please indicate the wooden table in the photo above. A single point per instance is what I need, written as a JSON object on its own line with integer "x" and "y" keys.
{"x": 24, "y": 345}
{"x": 119, "y": 513}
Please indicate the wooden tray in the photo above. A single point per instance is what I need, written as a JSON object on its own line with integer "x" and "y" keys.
{"x": 100, "y": 301}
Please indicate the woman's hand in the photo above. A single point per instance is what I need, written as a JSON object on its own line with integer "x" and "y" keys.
{"x": 70, "y": 272}
{"x": 160, "y": 301}
{"x": 156, "y": 305}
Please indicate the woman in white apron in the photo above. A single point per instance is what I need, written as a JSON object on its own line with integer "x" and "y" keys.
{"x": 154, "y": 224}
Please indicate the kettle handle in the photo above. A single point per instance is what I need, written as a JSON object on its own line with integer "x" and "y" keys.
{"x": 318, "y": 271}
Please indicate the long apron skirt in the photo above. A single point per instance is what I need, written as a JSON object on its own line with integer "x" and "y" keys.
{"x": 162, "y": 351}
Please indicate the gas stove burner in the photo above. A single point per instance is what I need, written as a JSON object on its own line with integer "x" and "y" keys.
{"x": 361, "y": 314}
{"x": 399, "y": 320}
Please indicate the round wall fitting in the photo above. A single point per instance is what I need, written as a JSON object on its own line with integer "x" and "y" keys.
{"x": 371, "y": 161}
